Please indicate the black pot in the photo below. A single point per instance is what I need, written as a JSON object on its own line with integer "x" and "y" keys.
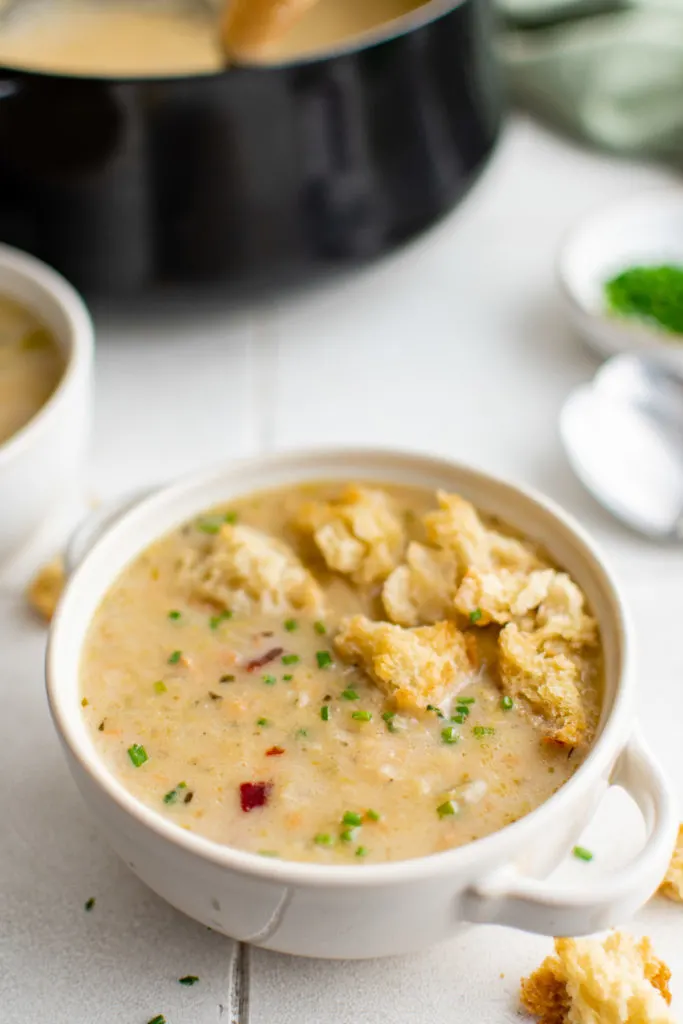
{"x": 254, "y": 175}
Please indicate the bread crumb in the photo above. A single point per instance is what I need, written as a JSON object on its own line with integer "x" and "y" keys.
{"x": 546, "y": 680}
{"x": 502, "y": 596}
{"x": 45, "y": 589}
{"x": 422, "y": 589}
{"x": 588, "y": 981}
{"x": 672, "y": 886}
{"x": 358, "y": 534}
{"x": 415, "y": 667}
{"x": 246, "y": 570}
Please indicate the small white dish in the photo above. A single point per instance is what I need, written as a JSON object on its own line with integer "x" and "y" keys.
{"x": 377, "y": 909}
{"x": 646, "y": 230}
{"x": 41, "y": 464}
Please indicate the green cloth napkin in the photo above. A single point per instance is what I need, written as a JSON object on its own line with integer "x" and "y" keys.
{"x": 609, "y": 71}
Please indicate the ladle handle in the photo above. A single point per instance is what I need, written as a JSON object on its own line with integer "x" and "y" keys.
{"x": 508, "y": 897}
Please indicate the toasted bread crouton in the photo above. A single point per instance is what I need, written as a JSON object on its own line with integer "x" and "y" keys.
{"x": 546, "y": 680}
{"x": 415, "y": 667}
{"x": 421, "y": 590}
{"x": 45, "y": 589}
{"x": 561, "y": 614}
{"x": 357, "y": 534}
{"x": 672, "y": 886}
{"x": 502, "y": 596}
{"x": 588, "y": 981}
{"x": 245, "y": 570}
{"x": 456, "y": 527}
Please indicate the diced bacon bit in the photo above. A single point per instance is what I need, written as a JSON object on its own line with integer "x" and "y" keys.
{"x": 254, "y": 794}
{"x": 275, "y": 751}
{"x": 270, "y": 655}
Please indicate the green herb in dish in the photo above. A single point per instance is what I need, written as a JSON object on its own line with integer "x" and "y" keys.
{"x": 189, "y": 979}
{"x": 324, "y": 659}
{"x": 137, "y": 754}
{"x": 89, "y": 904}
{"x": 653, "y": 295}
{"x": 581, "y": 853}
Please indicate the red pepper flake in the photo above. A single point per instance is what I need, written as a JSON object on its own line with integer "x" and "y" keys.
{"x": 254, "y": 794}
{"x": 275, "y": 751}
{"x": 270, "y": 655}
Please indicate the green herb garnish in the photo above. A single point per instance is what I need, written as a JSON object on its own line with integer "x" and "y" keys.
{"x": 231, "y": 518}
{"x": 323, "y": 839}
{"x": 448, "y": 808}
{"x": 582, "y": 853}
{"x": 483, "y": 730}
{"x": 137, "y": 754}
{"x": 361, "y": 851}
{"x": 226, "y": 679}
{"x": 350, "y": 695}
{"x": 465, "y": 700}
{"x": 319, "y": 627}
{"x": 450, "y": 734}
{"x": 437, "y": 711}
{"x": 159, "y": 1019}
{"x": 462, "y": 709}
{"x": 348, "y": 835}
{"x": 89, "y": 904}
{"x": 262, "y": 721}
{"x": 458, "y": 719}
{"x": 160, "y": 686}
{"x": 475, "y": 615}
{"x": 189, "y": 979}
{"x": 216, "y": 620}
{"x": 210, "y": 524}
{"x": 324, "y": 659}
{"x": 653, "y": 295}
{"x": 174, "y": 658}
{"x": 291, "y": 625}
{"x": 290, "y": 659}
{"x": 507, "y": 703}
{"x": 362, "y": 716}
{"x": 175, "y": 615}
{"x": 352, "y": 818}
{"x": 287, "y": 679}
{"x": 173, "y": 794}
{"x": 373, "y": 815}
{"x": 389, "y": 717}
{"x": 325, "y": 712}
{"x": 269, "y": 680}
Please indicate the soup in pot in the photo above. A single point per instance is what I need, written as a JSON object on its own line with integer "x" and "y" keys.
{"x": 31, "y": 366}
{"x": 148, "y": 39}
{"x": 342, "y": 674}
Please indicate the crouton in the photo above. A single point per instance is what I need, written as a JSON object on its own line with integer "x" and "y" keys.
{"x": 456, "y": 527}
{"x": 502, "y": 596}
{"x": 546, "y": 680}
{"x": 358, "y": 534}
{"x": 672, "y": 886}
{"x": 415, "y": 667}
{"x": 588, "y": 981}
{"x": 561, "y": 614}
{"x": 421, "y": 590}
{"x": 246, "y": 570}
{"x": 45, "y": 589}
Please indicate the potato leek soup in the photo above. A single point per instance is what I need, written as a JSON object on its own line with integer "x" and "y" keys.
{"x": 31, "y": 366}
{"x": 342, "y": 673}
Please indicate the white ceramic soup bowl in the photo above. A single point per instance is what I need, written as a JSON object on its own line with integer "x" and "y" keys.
{"x": 375, "y": 909}
{"x": 41, "y": 463}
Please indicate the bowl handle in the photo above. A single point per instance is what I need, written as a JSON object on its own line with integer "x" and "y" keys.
{"x": 89, "y": 531}
{"x": 508, "y": 897}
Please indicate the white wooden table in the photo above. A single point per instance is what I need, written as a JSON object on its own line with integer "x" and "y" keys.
{"x": 456, "y": 345}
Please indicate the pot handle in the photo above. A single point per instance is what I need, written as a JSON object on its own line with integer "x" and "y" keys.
{"x": 89, "y": 531}
{"x": 511, "y": 898}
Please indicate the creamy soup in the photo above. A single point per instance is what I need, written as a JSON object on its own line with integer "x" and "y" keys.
{"x": 291, "y": 676}
{"x": 31, "y": 365}
{"x": 149, "y": 39}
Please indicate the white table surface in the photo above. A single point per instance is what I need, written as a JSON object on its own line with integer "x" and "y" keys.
{"x": 456, "y": 345}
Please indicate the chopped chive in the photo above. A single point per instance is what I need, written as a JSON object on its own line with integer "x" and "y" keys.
{"x": 290, "y": 625}
{"x": 462, "y": 709}
{"x": 388, "y": 717}
{"x": 348, "y": 835}
{"x": 262, "y": 721}
{"x": 290, "y": 659}
{"x": 361, "y": 851}
{"x": 268, "y": 853}
{"x": 324, "y": 659}
{"x": 582, "y": 853}
{"x": 466, "y": 700}
{"x": 173, "y": 794}
{"x": 210, "y": 524}
{"x": 287, "y": 679}
{"x": 373, "y": 815}
{"x": 362, "y": 716}
{"x": 352, "y": 818}
{"x": 189, "y": 979}
{"x": 437, "y": 711}
{"x": 174, "y": 614}
{"x": 182, "y": 785}
{"x": 216, "y": 620}
{"x": 450, "y": 734}
{"x": 448, "y": 808}
{"x": 507, "y": 703}
{"x": 269, "y": 680}
{"x": 319, "y": 627}
{"x": 175, "y": 657}
{"x": 89, "y": 904}
{"x": 350, "y": 695}
{"x": 137, "y": 754}
{"x": 458, "y": 719}
{"x": 325, "y": 712}
{"x": 323, "y": 839}
{"x": 160, "y": 686}
{"x": 159, "y": 1019}
{"x": 226, "y": 679}
{"x": 231, "y": 517}
{"x": 483, "y": 730}
{"x": 475, "y": 615}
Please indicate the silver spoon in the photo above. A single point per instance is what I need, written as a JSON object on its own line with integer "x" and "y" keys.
{"x": 623, "y": 434}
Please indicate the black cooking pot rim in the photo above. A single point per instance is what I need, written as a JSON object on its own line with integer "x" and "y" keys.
{"x": 429, "y": 12}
